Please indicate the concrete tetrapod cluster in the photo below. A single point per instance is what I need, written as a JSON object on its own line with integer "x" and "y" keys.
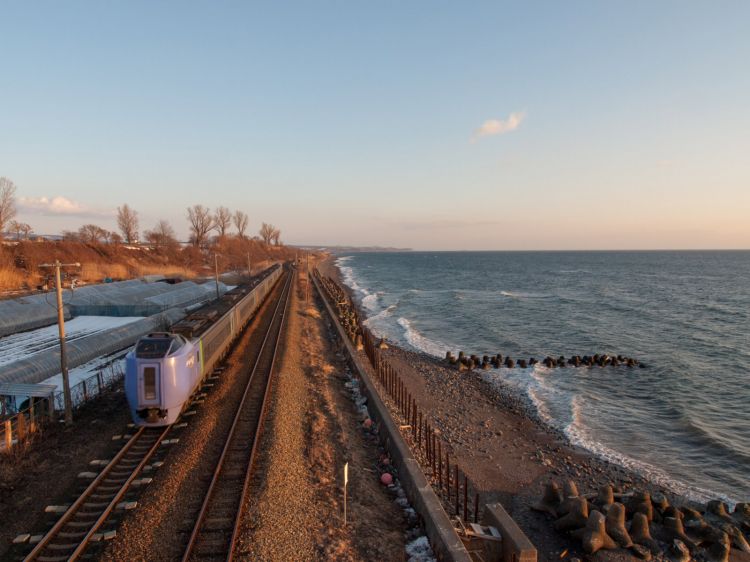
{"x": 679, "y": 533}
{"x": 465, "y": 362}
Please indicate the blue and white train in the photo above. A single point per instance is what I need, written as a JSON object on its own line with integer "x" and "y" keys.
{"x": 165, "y": 368}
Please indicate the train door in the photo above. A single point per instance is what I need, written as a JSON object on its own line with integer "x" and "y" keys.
{"x": 149, "y": 384}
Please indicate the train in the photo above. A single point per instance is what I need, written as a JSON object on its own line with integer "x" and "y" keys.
{"x": 164, "y": 369}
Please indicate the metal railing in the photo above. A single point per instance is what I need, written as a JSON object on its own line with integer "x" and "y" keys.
{"x": 18, "y": 428}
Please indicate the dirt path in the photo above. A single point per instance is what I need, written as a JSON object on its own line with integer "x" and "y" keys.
{"x": 296, "y": 512}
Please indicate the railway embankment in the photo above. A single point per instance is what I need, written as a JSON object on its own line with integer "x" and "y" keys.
{"x": 313, "y": 431}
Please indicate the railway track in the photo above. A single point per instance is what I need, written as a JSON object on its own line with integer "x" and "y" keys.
{"x": 82, "y": 521}
{"x": 215, "y": 530}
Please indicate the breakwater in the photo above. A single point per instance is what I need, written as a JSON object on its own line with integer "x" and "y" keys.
{"x": 463, "y": 361}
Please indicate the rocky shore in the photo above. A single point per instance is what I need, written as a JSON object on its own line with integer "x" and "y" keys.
{"x": 509, "y": 452}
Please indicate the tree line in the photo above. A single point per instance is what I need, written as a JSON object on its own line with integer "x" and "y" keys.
{"x": 202, "y": 222}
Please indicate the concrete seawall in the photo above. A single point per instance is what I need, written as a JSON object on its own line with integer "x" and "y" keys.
{"x": 444, "y": 540}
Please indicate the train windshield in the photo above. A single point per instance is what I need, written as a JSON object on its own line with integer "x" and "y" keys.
{"x": 152, "y": 348}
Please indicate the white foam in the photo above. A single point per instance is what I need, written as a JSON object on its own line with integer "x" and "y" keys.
{"x": 520, "y": 295}
{"x": 578, "y": 434}
{"x": 415, "y": 339}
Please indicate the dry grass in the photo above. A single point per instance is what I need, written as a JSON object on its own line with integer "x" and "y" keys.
{"x": 10, "y": 278}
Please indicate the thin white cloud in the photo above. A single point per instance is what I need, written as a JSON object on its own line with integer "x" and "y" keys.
{"x": 58, "y": 206}
{"x": 494, "y": 127}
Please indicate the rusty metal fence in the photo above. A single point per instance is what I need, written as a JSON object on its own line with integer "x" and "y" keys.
{"x": 459, "y": 494}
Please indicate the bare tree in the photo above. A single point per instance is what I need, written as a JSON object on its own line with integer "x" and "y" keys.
{"x": 240, "y": 222}
{"x": 276, "y": 236}
{"x": 266, "y": 232}
{"x": 201, "y": 223}
{"x": 222, "y": 221}
{"x": 93, "y": 234}
{"x": 7, "y": 203}
{"x": 20, "y": 229}
{"x": 162, "y": 237}
{"x": 127, "y": 222}
{"x": 26, "y": 230}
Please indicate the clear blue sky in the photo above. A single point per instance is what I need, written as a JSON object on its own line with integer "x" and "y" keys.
{"x": 616, "y": 124}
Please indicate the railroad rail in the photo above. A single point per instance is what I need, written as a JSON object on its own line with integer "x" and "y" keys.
{"x": 81, "y": 522}
{"x": 215, "y": 531}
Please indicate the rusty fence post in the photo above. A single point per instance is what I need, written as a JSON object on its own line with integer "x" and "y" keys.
{"x": 476, "y": 507}
{"x": 447, "y": 473}
{"x": 32, "y": 416}
{"x": 466, "y": 499}
{"x": 21, "y": 426}
{"x": 440, "y": 465}
{"x": 8, "y": 435}
{"x": 457, "y": 512}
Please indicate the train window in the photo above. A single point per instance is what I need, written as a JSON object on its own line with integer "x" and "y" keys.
{"x": 177, "y": 343}
{"x": 152, "y": 348}
{"x": 149, "y": 383}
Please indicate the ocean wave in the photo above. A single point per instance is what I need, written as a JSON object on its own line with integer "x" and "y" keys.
{"x": 578, "y": 433}
{"x": 519, "y": 295}
{"x": 380, "y": 316}
{"x": 417, "y": 340}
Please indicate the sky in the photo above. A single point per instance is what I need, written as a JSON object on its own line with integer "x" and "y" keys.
{"x": 422, "y": 124}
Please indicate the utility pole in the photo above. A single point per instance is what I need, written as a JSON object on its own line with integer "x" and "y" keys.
{"x": 216, "y": 271}
{"x": 61, "y": 326}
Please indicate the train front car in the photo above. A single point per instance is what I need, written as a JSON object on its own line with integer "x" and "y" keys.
{"x": 160, "y": 375}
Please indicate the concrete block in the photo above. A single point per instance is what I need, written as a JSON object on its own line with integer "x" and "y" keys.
{"x": 516, "y": 545}
{"x": 180, "y": 425}
{"x": 170, "y": 441}
{"x": 99, "y": 462}
{"x": 116, "y": 437}
{"x": 34, "y": 539}
{"x": 87, "y": 475}
{"x": 22, "y": 539}
{"x": 127, "y": 505}
{"x": 157, "y": 464}
{"x": 56, "y": 508}
{"x": 188, "y": 413}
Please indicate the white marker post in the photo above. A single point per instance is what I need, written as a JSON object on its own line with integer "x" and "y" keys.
{"x": 346, "y": 481}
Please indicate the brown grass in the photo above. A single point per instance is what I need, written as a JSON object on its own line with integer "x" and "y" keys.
{"x": 10, "y": 278}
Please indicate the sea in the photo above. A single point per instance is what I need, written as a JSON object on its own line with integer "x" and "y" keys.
{"x": 683, "y": 421}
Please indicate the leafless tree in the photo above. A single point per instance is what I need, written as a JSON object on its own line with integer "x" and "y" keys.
{"x": 114, "y": 238}
{"x": 127, "y": 222}
{"x": 222, "y": 221}
{"x": 240, "y": 222}
{"x": 201, "y": 223}
{"x": 266, "y": 232}
{"x": 20, "y": 229}
{"x": 93, "y": 234}
{"x": 276, "y": 236}
{"x": 7, "y": 203}
{"x": 162, "y": 237}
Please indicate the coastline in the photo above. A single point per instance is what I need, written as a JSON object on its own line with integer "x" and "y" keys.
{"x": 507, "y": 449}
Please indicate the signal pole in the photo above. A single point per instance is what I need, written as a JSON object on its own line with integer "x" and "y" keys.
{"x": 61, "y": 327}
{"x": 216, "y": 271}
